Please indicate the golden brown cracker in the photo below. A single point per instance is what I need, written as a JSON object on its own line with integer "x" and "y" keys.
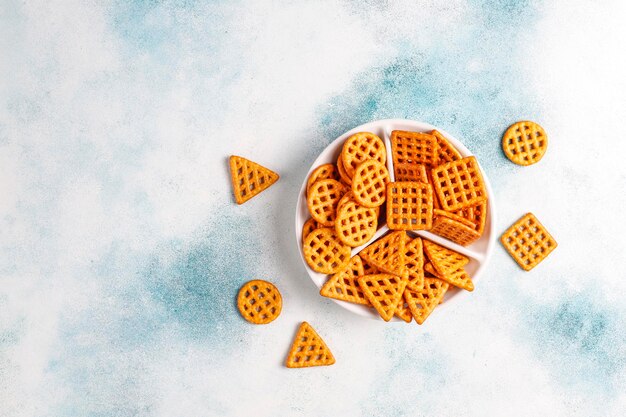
{"x": 525, "y": 143}
{"x": 308, "y": 349}
{"x": 324, "y": 252}
{"x": 528, "y": 242}
{"x": 259, "y": 301}
{"x": 249, "y": 178}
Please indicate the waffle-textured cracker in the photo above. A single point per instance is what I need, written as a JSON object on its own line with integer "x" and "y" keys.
{"x": 403, "y": 311}
{"x": 355, "y": 224}
{"x": 414, "y": 147}
{"x": 324, "y": 252}
{"x": 343, "y": 285}
{"x": 458, "y": 278}
{"x": 249, "y": 178}
{"x": 410, "y": 172}
{"x": 423, "y": 301}
{"x": 387, "y": 254}
{"x": 476, "y": 214}
{"x": 444, "y": 260}
{"x": 323, "y": 198}
{"x": 528, "y": 242}
{"x": 454, "y": 230}
{"x": 384, "y": 292}
{"x": 447, "y": 152}
{"x": 525, "y": 143}
{"x": 259, "y": 301}
{"x": 369, "y": 269}
{"x": 414, "y": 262}
{"x": 359, "y": 148}
{"x": 368, "y": 183}
{"x": 308, "y": 227}
{"x": 409, "y": 205}
{"x": 308, "y": 349}
{"x": 459, "y": 184}
{"x": 322, "y": 172}
{"x": 343, "y": 175}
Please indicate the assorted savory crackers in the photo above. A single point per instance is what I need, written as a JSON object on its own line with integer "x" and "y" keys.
{"x": 432, "y": 188}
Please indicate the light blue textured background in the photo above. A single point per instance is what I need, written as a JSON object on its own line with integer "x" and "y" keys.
{"x": 121, "y": 249}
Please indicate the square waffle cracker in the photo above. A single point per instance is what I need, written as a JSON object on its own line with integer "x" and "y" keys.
{"x": 423, "y": 301}
{"x": 324, "y": 252}
{"x": 384, "y": 291}
{"x": 355, "y": 224}
{"x": 414, "y": 147}
{"x": 249, "y": 178}
{"x": 476, "y": 214}
{"x": 409, "y": 206}
{"x": 452, "y": 216}
{"x": 308, "y": 349}
{"x": 444, "y": 260}
{"x": 344, "y": 286}
{"x": 447, "y": 152}
{"x": 459, "y": 184}
{"x": 528, "y": 242}
{"x": 454, "y": 230}
{"x": 410, "y": 172}
{"x": 259, "y": 301}
{"x": 323, "y": 198}
{"x": 458, "y": 278}
{"x": 359, "y": 148}
{"x": 368, "y": 183}
{"x": 436, "y": 204}
{"x": 414, "y": 262}
{"x": 387, "y": 254}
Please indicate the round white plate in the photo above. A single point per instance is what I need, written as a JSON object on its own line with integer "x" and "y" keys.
{"x": 478, "y": 252}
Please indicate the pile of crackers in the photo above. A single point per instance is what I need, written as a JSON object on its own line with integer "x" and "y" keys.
{"x": 432, "y": 188}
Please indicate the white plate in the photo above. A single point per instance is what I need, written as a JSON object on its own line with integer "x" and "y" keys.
{"x": 479, "y": 252}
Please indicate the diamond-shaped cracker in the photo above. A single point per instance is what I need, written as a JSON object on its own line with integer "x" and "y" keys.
{"x": 458, "y": 278}
{"x": 387, "y": 254}
{"x": 344, "y": 286}
{"x": 459, "y": 184}
{"x": 447, "y": 152}
{"x": 444, "y": 260}
{"x": 423, "y": 301}
{"x": 308, "y": 349}
{"x": 249, "y": 178}
{"x": 414, "y": 147}
{"x": 384, "y": 292}
{"x": 454, "y": 230}
{"x": 403, "y": 311}
{"x": 324, "y": 253}
{"x": 409, "y": 206}
{"x": 414, "y": 262}
{"x": 410, "y": 172}
{"x": 528, "y": 242}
